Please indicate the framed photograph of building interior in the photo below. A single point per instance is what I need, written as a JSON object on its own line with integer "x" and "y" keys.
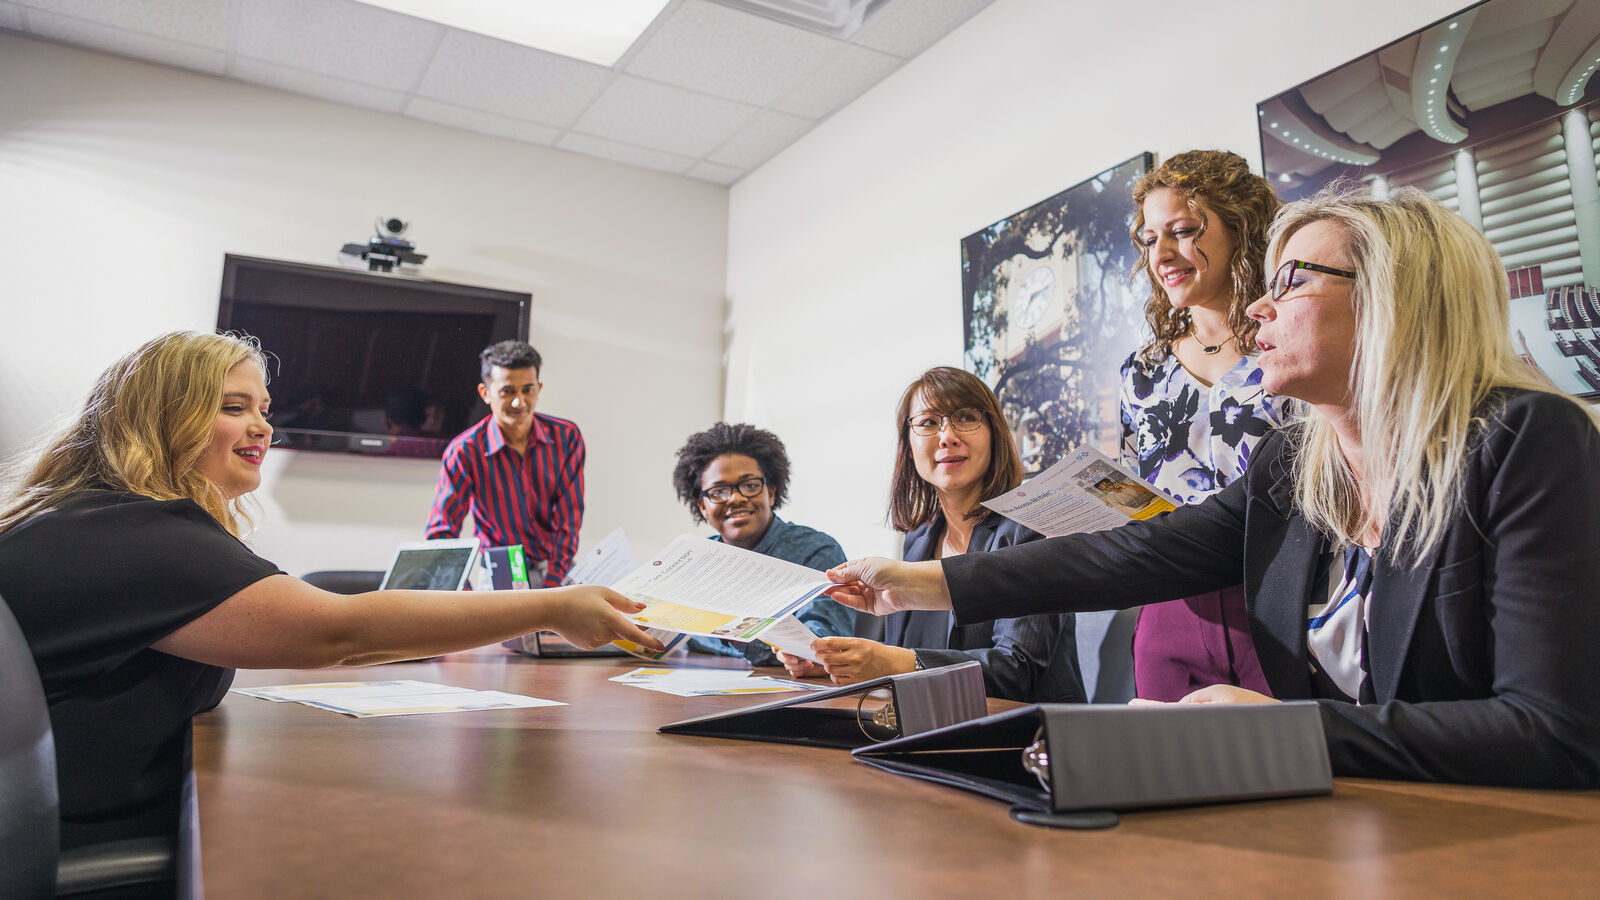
{"x": 1050, "y": 313}
{"x": 1495, "y": 112}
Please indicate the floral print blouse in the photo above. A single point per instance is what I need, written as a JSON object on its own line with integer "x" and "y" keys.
{"x": 1187, "y": 439}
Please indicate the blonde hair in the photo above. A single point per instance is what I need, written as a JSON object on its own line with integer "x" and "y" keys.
{"x": 147, "y": 421}
{"x": 1212, "y": 183}
{"x": 1433, "y": 341}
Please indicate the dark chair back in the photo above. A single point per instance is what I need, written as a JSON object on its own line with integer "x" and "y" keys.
{"x": 339, "y": 581}
{"x": 29, "y": 804}
{"x": 1105, "y": 654}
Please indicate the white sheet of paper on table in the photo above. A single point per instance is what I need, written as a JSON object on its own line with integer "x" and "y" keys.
{"x": 372, "y": 699}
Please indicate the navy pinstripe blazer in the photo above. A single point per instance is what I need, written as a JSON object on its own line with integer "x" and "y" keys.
{"x": 1033, "y": 659}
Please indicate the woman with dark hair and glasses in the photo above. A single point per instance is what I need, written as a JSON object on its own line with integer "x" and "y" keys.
{"x": 1418, "y": 546}
{"x": 1193, "y": 408}
{"x": 956, "y": 451}
{"x": 732, "y": 477}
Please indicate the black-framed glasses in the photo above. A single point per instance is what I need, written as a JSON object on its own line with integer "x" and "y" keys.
{"x": 1284, "y": 279}
{"x": 929, "y": 424}
{"x": 722, "y": 493}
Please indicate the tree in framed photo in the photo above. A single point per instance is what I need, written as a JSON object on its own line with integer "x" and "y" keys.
{"x": 1050, "y": 312}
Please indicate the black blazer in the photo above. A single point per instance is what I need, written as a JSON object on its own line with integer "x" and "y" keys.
{"x": 1033, "y": 659}
{"x": 1485, "y": 657}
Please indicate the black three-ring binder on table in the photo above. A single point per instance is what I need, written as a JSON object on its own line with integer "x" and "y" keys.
{"x": 1055, "y": 761}
{"x": 920, "y": 701}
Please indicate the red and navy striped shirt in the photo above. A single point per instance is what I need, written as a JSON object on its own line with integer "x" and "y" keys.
{"x": 535, "y": 500}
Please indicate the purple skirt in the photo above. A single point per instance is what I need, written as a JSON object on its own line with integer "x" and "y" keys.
{"x": 1183, "y": 645}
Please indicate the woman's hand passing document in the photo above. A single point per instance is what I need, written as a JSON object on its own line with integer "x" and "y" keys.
{"x": 881, "y": 586}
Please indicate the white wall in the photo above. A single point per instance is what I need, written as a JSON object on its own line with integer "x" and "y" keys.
{"x": 122, "y": 185}
{"x": 844, "y": 277}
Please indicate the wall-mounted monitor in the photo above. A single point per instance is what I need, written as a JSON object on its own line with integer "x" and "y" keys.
{"x": 363, "y": 362}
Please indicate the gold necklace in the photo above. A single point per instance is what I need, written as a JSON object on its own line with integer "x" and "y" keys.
{"x": 1207, "y": 350}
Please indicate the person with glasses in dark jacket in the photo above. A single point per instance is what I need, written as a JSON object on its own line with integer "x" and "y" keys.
{"x": 955, "y": 451}
{"x": 732, "y": 477}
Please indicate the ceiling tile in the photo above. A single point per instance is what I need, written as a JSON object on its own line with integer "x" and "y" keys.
{"x": 842, "y": 78}
{"x": 202, "y": 22}
{"x": 707, "y": 171}
{"x": 480, "y": 122}
{"x": 624, "y": 153}
{"x": 314, "y": 85}
{"x": 339, "y": 38}
{"x": 908, "y": 27}
{"x": 761, "y": 140}
{"x": 646, "y": 114}
{"x": 125, "y": 43}
{"x": 478, "y": 72}
{"x": 10, "y": 16}
{"x": 727, "y": 53}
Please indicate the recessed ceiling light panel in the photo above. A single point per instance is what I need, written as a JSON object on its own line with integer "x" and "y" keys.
{"x": 597, "y": 31}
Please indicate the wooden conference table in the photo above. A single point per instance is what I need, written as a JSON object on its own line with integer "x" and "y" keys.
{"x": 586, "y": 800}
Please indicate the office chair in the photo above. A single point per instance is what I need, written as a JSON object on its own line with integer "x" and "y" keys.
{"x": 29, "y": 831}
{"x": 1115, "y": 684}
{"x": 32, "y": 864}
{"x": 1105, "y": 654}
{"x": 344, "y": 582}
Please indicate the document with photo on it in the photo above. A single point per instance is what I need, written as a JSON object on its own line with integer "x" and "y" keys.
{"x": 708, "y": 588}
{"x": 1085, "y": 491}
{"x": 606, "y": 563}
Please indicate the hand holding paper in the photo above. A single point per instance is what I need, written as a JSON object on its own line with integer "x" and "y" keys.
{"x": 589, "y": 616}
{"x": 696, "y": 586}
{"x": 881, "y": 586}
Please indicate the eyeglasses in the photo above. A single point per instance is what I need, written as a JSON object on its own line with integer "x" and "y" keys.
{"x": 1284, "y": 279}
{"x": 722, "y": 493}
{"x": 929, "y": 424}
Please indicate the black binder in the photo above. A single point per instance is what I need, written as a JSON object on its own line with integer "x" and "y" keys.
{"x": 922, "y": 701}
{"x": 1108, "y": 757}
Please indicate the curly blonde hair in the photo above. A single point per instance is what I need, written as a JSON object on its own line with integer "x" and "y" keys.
{"x": 143, "y": 430}
{"x": 1212, "y": 183}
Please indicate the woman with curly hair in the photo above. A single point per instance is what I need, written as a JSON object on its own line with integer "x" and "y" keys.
{"x": 732, "y": 477}
{"x": 1193, "y": 408}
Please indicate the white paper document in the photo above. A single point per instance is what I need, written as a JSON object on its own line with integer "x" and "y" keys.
{"x": 370, "y": 699}
{"x": 700, "y": 682}
{"x": 698, "y": 586}
{"x": 1085, "y": 491}
{"x": 605, "y": 563}
{"x": 793, "y": 637}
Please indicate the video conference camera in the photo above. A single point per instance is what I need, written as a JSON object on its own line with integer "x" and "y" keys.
{"x": 387, "y": 248}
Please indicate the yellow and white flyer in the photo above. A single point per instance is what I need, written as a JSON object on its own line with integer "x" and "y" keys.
{"x": 1085, "y": 491}
{"x": 697, "y": 586}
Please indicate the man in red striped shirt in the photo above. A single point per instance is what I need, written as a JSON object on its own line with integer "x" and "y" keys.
{"x": 520, "y": 473}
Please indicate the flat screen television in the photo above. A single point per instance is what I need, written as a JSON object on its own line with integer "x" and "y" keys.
{"x": 367, "y": 362}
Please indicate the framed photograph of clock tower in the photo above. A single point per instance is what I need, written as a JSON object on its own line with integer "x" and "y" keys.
{"x": 1050, "y": 312}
